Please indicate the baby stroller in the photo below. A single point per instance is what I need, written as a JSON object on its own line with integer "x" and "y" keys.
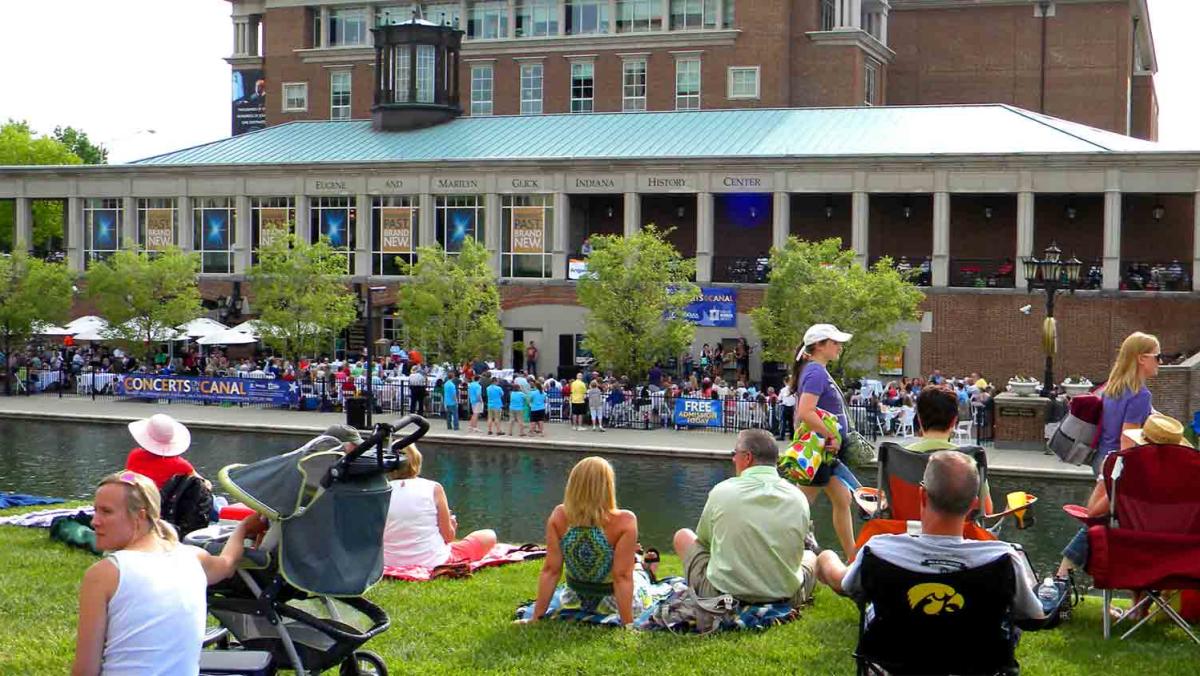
{"x": 297, "y": 599}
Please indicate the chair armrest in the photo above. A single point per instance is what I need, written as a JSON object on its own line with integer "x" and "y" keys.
{"x": 868, "y": 499}
{"x": 1080, "y": 513}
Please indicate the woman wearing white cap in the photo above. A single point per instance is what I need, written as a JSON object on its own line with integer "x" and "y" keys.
{"x": 816, "y": 389}
{"x": 162, "y": 441}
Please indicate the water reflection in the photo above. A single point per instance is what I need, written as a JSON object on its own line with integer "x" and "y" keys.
{"x": 511, "y": 491}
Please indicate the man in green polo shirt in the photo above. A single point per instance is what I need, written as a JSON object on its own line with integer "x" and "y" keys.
{"x": 750, "y": 539}
{"x": 937, "y": 410}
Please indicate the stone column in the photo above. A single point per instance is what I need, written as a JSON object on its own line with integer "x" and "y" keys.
{"x": 23, "y": 237}
{"x": 363, "y": 246}
{"x": 941, "y": 239}
{"x": 1112, "y": 233}
{"x": 1025, "y": 229}
{"x": 781, "y": 219}
{"x": 75, "y": 235}
{"x": 704, "y": 237}
{"x": 860, "y": 230}
{"x": 426, "y": 224}
{"x": 129, "y": 223}
{"x": 183, "y": 220}
{"x": 243, "y": 240}
{"x": 632, "y": 213}
{"x": 560, "y": 234}
{"x": 491, "y": 228}
{"x": 301, "y": 227}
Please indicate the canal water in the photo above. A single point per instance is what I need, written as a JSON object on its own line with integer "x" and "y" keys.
{"x": 511, "y": 491}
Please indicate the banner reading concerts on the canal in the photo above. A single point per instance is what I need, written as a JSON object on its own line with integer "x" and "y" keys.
{"x": 715, "y": 307}
{"x": 699, "y": 413}
{"x": 233, "y": 390}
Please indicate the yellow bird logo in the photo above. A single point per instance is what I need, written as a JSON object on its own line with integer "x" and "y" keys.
{"x": 935, "y": 599}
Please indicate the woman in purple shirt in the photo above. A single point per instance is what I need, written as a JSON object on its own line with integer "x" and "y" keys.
{"x": 816, "y": 389}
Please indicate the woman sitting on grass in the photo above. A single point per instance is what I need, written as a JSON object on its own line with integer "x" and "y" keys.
{"x": 596, "y": 543}
{"x": 420, "y": 528}
{"x": 142, "y": 608}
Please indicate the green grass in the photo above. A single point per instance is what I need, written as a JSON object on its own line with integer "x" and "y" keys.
{"x": 463, "y": 627}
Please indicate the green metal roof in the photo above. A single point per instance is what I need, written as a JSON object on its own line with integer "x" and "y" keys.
{"x": 754, "y": 133}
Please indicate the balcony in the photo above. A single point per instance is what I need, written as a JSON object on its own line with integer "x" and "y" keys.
{"x": 741, "y": 269}
{"x": 982, "y": 273}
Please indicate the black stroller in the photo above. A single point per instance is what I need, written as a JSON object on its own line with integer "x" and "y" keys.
{"x": 292, "y": 604}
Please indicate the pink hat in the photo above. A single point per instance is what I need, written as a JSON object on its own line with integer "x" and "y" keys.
{"x": 161, "y": 435}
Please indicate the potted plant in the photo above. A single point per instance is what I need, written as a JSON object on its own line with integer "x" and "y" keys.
{"x": 1076, "y": 385}
{"x": 1023, "y": 387}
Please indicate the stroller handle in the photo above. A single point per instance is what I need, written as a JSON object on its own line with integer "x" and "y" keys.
{"x": 376, "y": 440}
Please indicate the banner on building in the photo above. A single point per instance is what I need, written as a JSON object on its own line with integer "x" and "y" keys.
{"x": 273, "y": 226}
{"x": 460, "y": 224}
{"x": 216, "y": 229}
{"x": 716, "y": 307}
{"x": 233, "y": 390}
{"x": 160, "y": 229}
{"x": 335, "y": 225}
{"x": 249, "y": 101}
{"x": 104, "y": 229}
{"x": 528, "y": 230}
{"x": 891, "y": 363}
{"x": 699, "y": 412}
{"x": 395, "y": 229}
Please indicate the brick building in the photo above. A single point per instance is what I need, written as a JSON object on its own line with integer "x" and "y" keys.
{"x": 1089, "y": 61}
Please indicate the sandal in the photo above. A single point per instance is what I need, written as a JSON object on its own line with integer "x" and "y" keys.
{"x": 650, "y": 561}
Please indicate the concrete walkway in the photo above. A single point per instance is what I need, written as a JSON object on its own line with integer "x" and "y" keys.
{"x": 559, "y": 436}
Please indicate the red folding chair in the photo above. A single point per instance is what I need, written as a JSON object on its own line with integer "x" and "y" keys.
{"x": 1149, "y": 541}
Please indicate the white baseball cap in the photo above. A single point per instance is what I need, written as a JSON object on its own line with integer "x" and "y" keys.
{"x": 818, "y": 332}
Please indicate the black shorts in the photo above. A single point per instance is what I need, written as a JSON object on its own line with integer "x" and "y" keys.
{"x": 579, "y": 409}
{"x": 537, "y": 416}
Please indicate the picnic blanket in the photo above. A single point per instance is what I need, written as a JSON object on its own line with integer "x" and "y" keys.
{"x": 500, "y": 555}
{"x": 567, "y": 606}
{"x": 8, "y": 500}
{"x": 43, "y": 518}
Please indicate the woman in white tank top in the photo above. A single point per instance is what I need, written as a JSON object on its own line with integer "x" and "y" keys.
{"x": 420, "y": 529}
{"x": 142, "y": 608}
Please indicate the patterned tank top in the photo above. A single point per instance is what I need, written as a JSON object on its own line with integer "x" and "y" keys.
{"x": 588, "y": 558}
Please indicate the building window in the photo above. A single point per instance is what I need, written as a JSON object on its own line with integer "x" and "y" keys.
{"x": 457, "y": 217}
{"x": 394, "y": 227}
{"x": 871, "y": 83}
{"x": 689, "y": 15}
{"x": 347, "y": 27}
{"x": 403, "y": 61}
{"x": 582, "y": 86}
{"x": 633, "y": 85}
{"x": 339, "y": 95}
{"x": 536, "y": 18}
{"x": 586, "y": 17}
{"x": 481, "y": 89}
{"x": 449, "y": 13}
{"x": 828, "y": 14}
{"x": 156, "y": 223}
{"x": 489, "y": 20}
{"x": 102, "y": 228}
{"x": 295, "y": 97}
{"x": 271, "y": 219}
{"x": 426, "y": 71}
{"x": 526, "y": 222}
{"x": 531, "y": 88}
{"x": 214, "y": 224}
{"x": 727, "y": 15}
{"x": 333, "y": 219}
{"x": 639, "y": 16}
{"x": 743, "y": 82}
{"x": 687, "y": 84}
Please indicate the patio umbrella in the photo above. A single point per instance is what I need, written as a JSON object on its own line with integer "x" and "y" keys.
{"x": 85, "y": 323}
{"x": 200, "y": 327}
{"x": 160, "y": 334}
{"x": 93, "y": 334}
{"x": 227, "y": 337}
{"x": 43, "y": 329}
{"x": 250, "y": 326}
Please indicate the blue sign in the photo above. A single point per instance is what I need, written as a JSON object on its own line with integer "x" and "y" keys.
{"x": 699, "y": 412}
{"x": 216, "y": 229}
{"x": 104, "y": 229}
{"x": 459, "y": 224}
{"x": 715, "y": 307}
{"x": 233, "y": 390}
{"x": 336, "y": 226}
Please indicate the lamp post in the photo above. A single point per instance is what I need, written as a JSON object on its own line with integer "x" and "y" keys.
{"x": 1051, "y": 274}
{"x": 371, "y": 355}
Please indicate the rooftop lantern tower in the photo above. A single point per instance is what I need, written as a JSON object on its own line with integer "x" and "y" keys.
{"x": 416, "y": 75}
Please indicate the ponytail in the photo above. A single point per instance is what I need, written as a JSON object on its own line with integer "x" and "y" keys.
{"x": 164, "y": 531}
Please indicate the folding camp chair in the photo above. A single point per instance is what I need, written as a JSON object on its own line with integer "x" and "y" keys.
{"x": 1149, "y": 541}
{"x": 959, "y": 622}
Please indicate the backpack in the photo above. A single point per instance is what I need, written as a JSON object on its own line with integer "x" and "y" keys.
{"x": 1077, "y": 437}
{"x": 187, "y": 502}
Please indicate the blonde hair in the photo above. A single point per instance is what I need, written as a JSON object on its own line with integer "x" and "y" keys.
{"x": 141, "y": 494}
{"x": 1125, "y": 377}
{"x": 591, "y": 493}
{"x": 410, "y": 469}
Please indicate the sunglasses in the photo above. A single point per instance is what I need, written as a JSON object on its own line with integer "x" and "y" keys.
{"x": 1158, "y": 357}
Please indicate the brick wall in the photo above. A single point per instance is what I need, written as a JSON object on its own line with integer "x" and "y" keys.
{"x": 1145, "y": 108}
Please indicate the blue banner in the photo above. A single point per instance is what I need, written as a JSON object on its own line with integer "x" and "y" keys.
{"x": 699, "y": 412}
{"x": 715, "y": 307}
{"x": 216, "y": 229}
{"x": 233, "y": 390}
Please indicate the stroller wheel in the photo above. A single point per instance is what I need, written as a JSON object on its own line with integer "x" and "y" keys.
{"x": 363, "y": 663}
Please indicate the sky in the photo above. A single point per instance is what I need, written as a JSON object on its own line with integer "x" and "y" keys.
{"x": 145, "y": 77}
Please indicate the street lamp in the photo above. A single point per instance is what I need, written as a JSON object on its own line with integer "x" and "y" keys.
{"x": 1051, "y": 274}
{"x": 371, "y": 355}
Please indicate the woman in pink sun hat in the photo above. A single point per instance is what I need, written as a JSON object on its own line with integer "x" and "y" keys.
{"x": 161, "y": 443}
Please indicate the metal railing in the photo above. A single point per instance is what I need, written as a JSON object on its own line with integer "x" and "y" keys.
{"x": 919, "y": 272}
{"x": 983, "y": 273}
{"x": 741, "y": 269}
{"x": 1146, "y": 275}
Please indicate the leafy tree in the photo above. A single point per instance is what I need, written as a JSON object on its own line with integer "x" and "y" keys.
{"x": 451, "y": 306}
{"x": 301, "y": 295}
{"x": 819, "y": 282}
{"x": 79, "y": 143}
{"x": 19, "y": 147}
{"x": 31, "y": 291}
{"x": 635, "y": 290}
{"x": 144, "y": 295}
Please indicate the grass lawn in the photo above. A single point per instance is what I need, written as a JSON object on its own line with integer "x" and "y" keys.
{"x": 463, "y": 627}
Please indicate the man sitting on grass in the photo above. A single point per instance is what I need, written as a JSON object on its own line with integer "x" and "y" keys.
{"x": 750, "y": 542}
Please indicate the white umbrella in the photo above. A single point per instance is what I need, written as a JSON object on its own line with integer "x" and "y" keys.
{"x": 227, "y": 337}
{"x": 43, "y": 329}
{"x": 250, "y": 326}
{"x": 93, "y": 334}
{"x": 203, "y": 326}
{"x": 160, "y": 334}
{"x": 85, "y": 323}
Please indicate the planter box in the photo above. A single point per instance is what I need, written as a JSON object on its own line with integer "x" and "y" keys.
{"x": 1024, "y": 389}
{"x": 1075, "y": 389}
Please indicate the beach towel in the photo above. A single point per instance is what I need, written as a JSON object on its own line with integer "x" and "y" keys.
{"x": 8, "y": 500}
{"x": 566, "y": 605}
{"x": 500, "y": 555}
{"x": 43, "y": 518}
{"x": 683, "y": 612}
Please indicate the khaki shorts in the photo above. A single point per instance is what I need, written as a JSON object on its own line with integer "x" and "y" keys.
{"x": 494, "y": 414}
{"x": 695, "y": 566}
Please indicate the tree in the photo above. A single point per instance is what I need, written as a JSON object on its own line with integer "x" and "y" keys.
{"x": 301, "y": 295}
{"x": 19, "y": 147}
{"x": 145, "y": 295}
{"x": 31, "y": 291}
{"x": 819, "y": 282}
{"x": 79, "y": 143}
{"x": 635, "y": 290}
{"x": 451, "y": 306}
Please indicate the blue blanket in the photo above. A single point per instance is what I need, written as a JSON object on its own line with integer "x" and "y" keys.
{"x": 20, "y": 500}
